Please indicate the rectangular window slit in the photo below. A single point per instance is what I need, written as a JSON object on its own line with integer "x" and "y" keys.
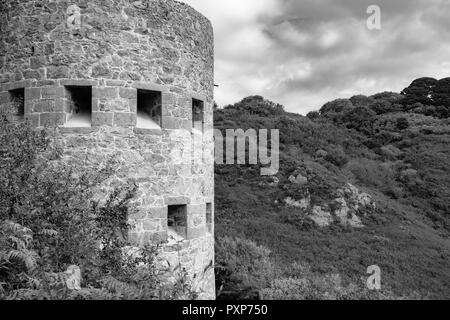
{"x": 78, "y": 106}
{"x": 149, "y": 109}
{"x": 17, "y": 103}
{"x": 197, "y": 115}
{"x": 177, "y": 222}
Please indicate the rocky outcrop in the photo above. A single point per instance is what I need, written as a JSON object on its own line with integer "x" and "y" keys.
{"x": 301, "y": 204}
{"x": 73, "y": 278}
{"x": 357, "y": 200}
{"x": 344, "y": 214}
{"x": 346, "y": 209}
{"x": 299, "y": 179}
{"x": 350, "y": 205}
{"x": 320, "y": 216}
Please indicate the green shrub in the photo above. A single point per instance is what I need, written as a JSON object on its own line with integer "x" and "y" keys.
{"x": 300, "y": 283}
{"x": 313, "y": 115}
{"x": 382, "y": 176}
{"x": 360, "y": 119}
{"x": 242, "y": 266}
{"x": 402, "y": 124}
{"x": 49, "y": 221}
{"x": 337, "y": 157}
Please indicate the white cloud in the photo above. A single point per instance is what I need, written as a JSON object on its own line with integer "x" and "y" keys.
{"x": 304, "y": 53}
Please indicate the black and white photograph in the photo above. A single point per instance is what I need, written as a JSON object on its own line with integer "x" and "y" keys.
{"x": 224, "y": 155}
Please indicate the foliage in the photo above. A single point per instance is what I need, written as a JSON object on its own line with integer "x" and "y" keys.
{"x": 361, "y": 101}
{"x": 50, "y": 220}
{"x": 337, "y": 157}
{"x": 241, "y": 264}
{"x": 300, "y": 283}
{"x": 440, "y": 112}
{"x": 359, "y": 118}
{"x": 256, "y": 105}
{"x": 377, "y": 143}
{"x": 441, "y": 93}
{"x": 313, "y": 115}
{"x": 391, "y": 97}
{"x": 402, "y": 124}
{"x": 420, "y": 91}
{"x": 428, "y": 92}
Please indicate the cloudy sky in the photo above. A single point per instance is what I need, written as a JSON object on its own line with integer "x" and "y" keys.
{"x": 303, "y": 53}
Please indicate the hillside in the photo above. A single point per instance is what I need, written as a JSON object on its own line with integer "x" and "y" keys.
{"x": 363, "y": 181}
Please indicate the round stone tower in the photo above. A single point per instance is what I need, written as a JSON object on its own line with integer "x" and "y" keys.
{"x": 133, "y": 81}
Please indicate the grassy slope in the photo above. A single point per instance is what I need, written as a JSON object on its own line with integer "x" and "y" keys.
{"x": 408, "y": 235}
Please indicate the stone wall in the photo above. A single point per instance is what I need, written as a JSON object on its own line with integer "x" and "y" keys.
{"x": 116, "y": 48}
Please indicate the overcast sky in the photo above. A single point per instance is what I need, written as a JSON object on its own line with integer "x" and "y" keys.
{"x": 303, "y": 53}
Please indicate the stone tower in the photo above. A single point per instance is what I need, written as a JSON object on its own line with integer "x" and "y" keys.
{"x": 131, "y": 80}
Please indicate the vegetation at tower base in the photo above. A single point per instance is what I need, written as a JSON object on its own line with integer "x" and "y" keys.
{"x": 119, "y": 78}
{"x": 381, "y": 160}
{"x": 50, "y": 220}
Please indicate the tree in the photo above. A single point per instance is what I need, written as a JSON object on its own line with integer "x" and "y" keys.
{"x": 335, "y": 110}
{"x": 336, "y": 106}
{"x": 361, "y": 101}
{"x": 391, "y": 97}
{"x": 441, "y": 93}
{"x": 257, "y": 105}
{"x": 421, "y": 90}
{"x": 243, "y": 267}
{"x": 381, "y": 107}
{"x": 313, "y": 115}
{"x": 402, "y": 124}
{"x": 359, "y": 118}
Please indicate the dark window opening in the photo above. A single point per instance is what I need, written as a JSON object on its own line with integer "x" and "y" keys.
{"x": 79, "y": 106}
{"x": 209, "y": 217}
{"x": 177, "y": 221}
{"x": 149, "y": 109}
{"x": 197, "y": 115}
{"x": 17, "y": 103}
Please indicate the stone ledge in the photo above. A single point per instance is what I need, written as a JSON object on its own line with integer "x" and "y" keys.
{"x": 149, "y": 86}
{"x": 198, "y": 96}
{"x": 16, "y": 85}
{"x": 79, "y": 130}
{"x": 81, "y": 82}
{"x": 115, "y": 83}
{"x": 174, "y": 201}
{"x": 153, "y": 132}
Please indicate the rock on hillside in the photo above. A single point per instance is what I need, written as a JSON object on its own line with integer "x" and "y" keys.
{"x": 345, "y": 209}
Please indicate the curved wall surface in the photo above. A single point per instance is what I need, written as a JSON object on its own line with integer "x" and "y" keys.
{"x": 133, "y": 81}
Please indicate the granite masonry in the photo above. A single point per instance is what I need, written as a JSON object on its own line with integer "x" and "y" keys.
{"x": 133, "y": 81}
